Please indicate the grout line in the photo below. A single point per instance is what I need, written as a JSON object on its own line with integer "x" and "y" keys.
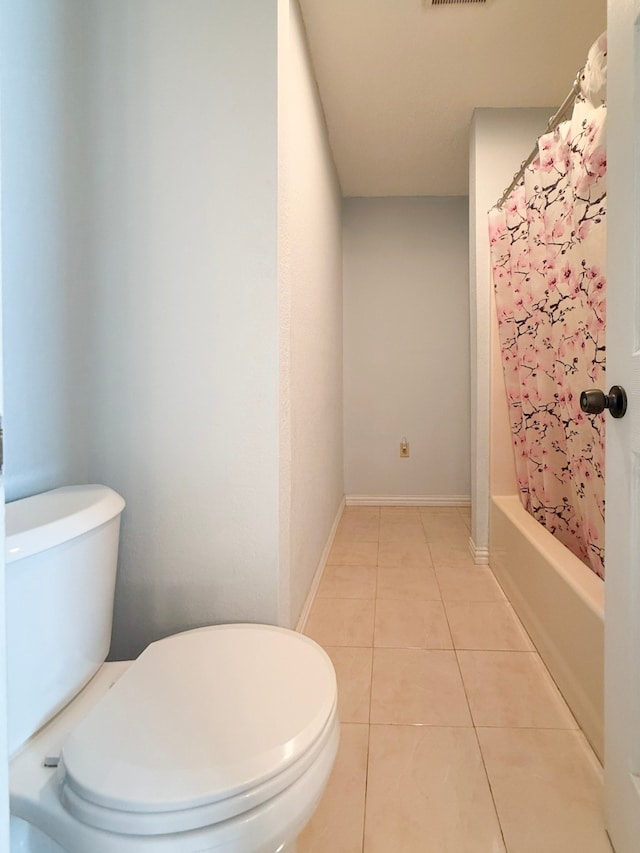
{"x": 432, "y": 726}
{"x": 366, "y": 787}
{"x": 491, "y": 651}
{"x": 475, "y": 733}
{"x": 366, "y": 776}
{"x": 493, "y": 797}
{"x": 433, "y": 569}
{"x": 538, "y": 729}
{"x": 464, "y": 686}
{"x": 373, "y": 639}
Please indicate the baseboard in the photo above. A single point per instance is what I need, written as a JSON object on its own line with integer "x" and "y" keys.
{"x": 408, "y": 500}
{"x": 480, "y": 555}
{"x": 306, "y": 609}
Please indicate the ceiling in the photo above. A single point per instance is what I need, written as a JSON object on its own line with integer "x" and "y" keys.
{"x": 399, "y": 80}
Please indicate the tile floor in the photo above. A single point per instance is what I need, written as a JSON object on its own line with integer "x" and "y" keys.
{"x": 454, "y": 737}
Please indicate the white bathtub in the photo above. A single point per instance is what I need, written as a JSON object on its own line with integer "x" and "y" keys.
{"x": 561, "y": 604}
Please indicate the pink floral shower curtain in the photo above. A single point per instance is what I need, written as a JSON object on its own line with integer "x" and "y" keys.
{"x": 548, "y": 253}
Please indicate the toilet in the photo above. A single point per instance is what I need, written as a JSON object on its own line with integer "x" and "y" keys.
{"x": 217, "y": 739}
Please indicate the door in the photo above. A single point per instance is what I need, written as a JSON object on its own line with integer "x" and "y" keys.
{"x": 622, "y": 609}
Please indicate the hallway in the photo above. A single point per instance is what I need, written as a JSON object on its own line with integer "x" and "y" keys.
{"x": 454, "y": 737}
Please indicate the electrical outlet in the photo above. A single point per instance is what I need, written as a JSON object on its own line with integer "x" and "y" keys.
{"x": 404, "y": 449}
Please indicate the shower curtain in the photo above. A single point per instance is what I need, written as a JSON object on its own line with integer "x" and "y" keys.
{"x": 548, "y": 254}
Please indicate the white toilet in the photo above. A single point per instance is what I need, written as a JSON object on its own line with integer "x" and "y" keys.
{"x": 219, "y": 739}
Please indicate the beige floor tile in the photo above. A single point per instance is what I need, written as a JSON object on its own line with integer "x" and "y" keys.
{"x": 402, "y": 531}
{"x": 547, "y": 787}
{"x": 454, "y": 536}
{"x": 455, "y": 554}
{"x": 411, "y": 686}
{"x": 361, "y": 513}
{"x": 399, "y": 513}
{"x": 411, "y": 625}
{"x": 353, "y": 671}
{"x": 348, "y": 582}
{"x": 486, "y": 625}
{"x": 337, "y": 825}
{"x": 414, "y": 584}
{"x": 405, "y": 555}
{"x": 354, "y": 529}
{"x": 512, "y": 689}
{"x": 438, "y": 512}
{"x": 427, "y": 792}
{"x": 353, "y": 554}
{"x": 468, "y": 584}
{"x": 441, "y": 524}
{"x": 341, "y": 622}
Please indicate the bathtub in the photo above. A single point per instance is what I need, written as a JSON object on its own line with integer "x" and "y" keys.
{"x": 561, "y": 604}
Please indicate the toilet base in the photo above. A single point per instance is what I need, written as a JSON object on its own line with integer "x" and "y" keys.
{"x": 38, "y": 813}
{"x": 25, "y": 838}
{"x": 28, "y": 839}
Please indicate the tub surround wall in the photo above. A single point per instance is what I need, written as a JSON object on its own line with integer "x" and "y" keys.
{"x": 500, "y": 139}
{"x": 406, "y": 357}
{"x": 310, "y": 304}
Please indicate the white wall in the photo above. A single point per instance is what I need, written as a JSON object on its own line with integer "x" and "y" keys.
{"x": 46, "y": 240}
{"x": 310, "y": 255}
{"x": 155, "y": 340}
{"x": 4, "y": 746}
{"x": 406, "y": 346}
{"x": 185, "y": 296}
{"x": 500, "y": 140}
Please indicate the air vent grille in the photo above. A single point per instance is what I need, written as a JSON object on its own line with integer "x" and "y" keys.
{"x": 454, "y": 2}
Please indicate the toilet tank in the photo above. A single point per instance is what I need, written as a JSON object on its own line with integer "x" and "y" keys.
{"x": 61, "y": 557}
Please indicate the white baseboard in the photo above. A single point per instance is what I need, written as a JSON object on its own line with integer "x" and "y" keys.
{"x": 480, "y": 555}
{"x": 408, "y": 500}
{"x": 304, "y": 614}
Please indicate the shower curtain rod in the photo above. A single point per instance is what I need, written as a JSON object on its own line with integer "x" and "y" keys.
{"x": 553, "y": 122}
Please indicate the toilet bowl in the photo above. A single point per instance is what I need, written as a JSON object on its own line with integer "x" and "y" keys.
{"x": 217, "y": 739}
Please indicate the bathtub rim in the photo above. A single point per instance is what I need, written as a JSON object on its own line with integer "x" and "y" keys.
{"x": 582, "y": 580}
{"x": 560, "y": 602}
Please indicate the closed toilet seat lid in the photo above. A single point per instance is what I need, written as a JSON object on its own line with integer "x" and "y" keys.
{"x": 202, "y": 726}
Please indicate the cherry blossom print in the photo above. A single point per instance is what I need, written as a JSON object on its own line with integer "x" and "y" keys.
{"x": 549, "y": 273}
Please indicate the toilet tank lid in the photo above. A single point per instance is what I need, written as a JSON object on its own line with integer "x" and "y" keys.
{"x": 43, "y": 521}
